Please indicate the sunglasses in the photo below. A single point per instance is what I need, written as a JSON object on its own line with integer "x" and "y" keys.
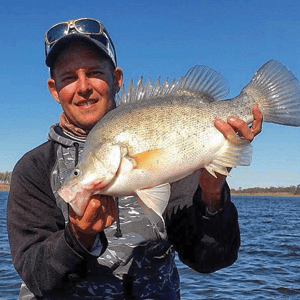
{"x": 93, "y": 28}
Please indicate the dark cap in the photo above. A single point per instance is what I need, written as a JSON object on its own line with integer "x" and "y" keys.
{"x": 82, "y": 30}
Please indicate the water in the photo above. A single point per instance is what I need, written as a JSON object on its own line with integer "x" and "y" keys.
{"x": 269, "y": 259}
{"x": 9, "y": 279}
{"x": 268, "y": 266}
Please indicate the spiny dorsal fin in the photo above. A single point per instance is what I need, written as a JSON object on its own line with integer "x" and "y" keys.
{"x": 199, "y": 81}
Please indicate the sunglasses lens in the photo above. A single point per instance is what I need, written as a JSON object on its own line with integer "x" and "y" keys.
{"x": 57, "y": 32}
{"x": 88, "y": 26}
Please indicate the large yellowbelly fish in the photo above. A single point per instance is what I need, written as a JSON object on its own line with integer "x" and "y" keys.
{"x": 162, "y": 133}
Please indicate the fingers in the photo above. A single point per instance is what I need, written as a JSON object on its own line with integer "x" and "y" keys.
{"x": 92, "y": 210}
{"x": 99, "y": 214}
{"x": 107, "y": 211}
{"x": 257, "y": 120}
{"x": 241, "y": 128}
{"x": 235, "y": 125}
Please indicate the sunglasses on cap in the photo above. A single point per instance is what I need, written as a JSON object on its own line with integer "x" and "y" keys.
{"x": 86, "y": 26}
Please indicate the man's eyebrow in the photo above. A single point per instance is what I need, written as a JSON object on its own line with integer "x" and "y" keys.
{"x": 97, "y": 67}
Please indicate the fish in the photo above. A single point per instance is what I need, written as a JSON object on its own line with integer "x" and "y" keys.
{"x": 161, "y": 133}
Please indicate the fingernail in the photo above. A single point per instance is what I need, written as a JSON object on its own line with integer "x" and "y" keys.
{"x": 232, "y": 118}
{"x": 219, "y": 121}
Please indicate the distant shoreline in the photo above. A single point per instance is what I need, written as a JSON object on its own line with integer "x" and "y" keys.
{"x": 4, "y": 188}
{"x": 265, "y": 194}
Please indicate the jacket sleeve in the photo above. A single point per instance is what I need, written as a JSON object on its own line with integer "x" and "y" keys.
{"x": 45, "y": 254}
{"x": 205, "y": 242}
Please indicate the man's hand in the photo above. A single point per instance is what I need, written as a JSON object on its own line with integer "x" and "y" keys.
{"x": 234, "y": 125}
{"x": 212, "y": 187}
{"x": 99, "y": 214}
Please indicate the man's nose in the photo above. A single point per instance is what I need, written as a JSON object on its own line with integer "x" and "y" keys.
{"x": 84, "y": 85}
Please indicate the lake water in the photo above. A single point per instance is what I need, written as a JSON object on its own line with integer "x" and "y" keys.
{"x": 269, "y": 258}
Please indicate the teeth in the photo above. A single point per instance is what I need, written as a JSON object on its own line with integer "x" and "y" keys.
{"x": 88, "y": 103}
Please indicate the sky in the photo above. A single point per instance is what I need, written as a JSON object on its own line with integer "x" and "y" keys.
{"x": 152, "y": 39}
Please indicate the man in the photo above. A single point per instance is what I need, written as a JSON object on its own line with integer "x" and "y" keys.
{"x": 60, "y": 255}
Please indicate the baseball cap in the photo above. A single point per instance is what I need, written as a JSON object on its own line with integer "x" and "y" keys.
{"x": 88, "y": 30}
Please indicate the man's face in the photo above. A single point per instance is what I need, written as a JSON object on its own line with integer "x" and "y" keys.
{"x": 85, "y": 84}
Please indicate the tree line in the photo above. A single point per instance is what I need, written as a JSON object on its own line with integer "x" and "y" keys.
{"x": 293, "y": 189}
{"x": 5, "y": 177}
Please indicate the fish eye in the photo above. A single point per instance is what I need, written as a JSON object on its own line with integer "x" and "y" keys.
{"x": 76, "y": 172}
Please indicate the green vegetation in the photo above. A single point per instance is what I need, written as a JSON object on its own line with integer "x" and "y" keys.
{"x": 5, "y": 177}
{"x": 293, "y": 189}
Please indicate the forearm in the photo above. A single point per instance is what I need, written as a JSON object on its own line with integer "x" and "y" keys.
{"x": 219, "y": 242}
{"x": 41, "y": 255}
{"x": 205, "y": 242}
{"x": 48, "y": 267}
{"x": 212, "y": 191}
{"x": 52, "y": 261}
{"x": 45, "y": 253}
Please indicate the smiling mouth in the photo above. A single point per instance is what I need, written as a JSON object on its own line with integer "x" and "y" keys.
{"x": 86, "y": 103}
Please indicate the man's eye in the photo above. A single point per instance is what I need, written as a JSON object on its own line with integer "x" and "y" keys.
{"x": 69, "y": 78}
{"x": 95, "y": 73}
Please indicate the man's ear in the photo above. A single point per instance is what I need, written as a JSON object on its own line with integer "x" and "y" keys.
{"x": 52, "y": 89}
{"x": 118, "y": 78}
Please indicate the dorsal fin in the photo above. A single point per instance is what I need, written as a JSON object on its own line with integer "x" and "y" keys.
{"x": 199, "y": 81}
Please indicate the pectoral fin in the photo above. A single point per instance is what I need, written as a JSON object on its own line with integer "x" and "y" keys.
{"x": 147, "y": 160}
{"x": 154, "y": 201}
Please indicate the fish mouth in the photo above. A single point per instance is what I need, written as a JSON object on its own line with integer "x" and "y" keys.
{"x": 77, "y": 200}
{"x": 64, "y": 193}
{"x": 87, "y": 103}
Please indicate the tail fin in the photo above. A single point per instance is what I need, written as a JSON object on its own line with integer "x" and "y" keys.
{"x": 277, "y": 92}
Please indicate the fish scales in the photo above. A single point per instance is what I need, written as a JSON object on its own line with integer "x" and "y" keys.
{"x": 160, "y": 134}
{"x": 188, "y": 121}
